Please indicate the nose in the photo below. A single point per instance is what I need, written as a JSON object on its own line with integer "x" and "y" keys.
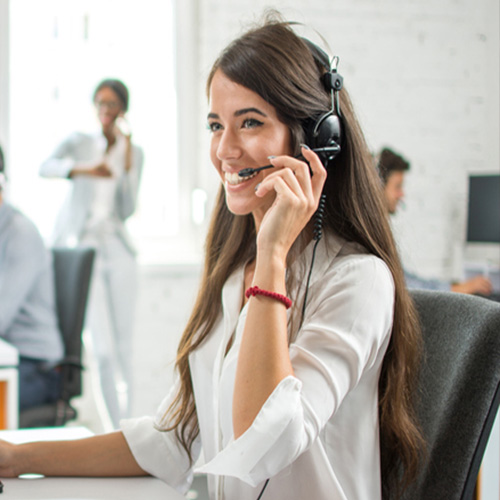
{"x": 228, "y": 145}
{"x": 111, "y": 105}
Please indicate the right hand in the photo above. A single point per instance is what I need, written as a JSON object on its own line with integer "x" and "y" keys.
{"x": 298, "y": 186}
{"x": 100, "y": 169}
{"x": 478, "y": 284}
{"x": 123, "y": 127}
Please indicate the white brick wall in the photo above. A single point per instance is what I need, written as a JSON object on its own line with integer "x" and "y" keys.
{"x": 166, "y": 297}
{"x": 423, "y": 76}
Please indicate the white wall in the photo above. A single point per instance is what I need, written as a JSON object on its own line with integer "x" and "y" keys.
{"x": 424, "y": 78}
{"x": 166, "y": 297}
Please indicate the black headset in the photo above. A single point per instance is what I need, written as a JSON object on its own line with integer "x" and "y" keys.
{"x": 324, "y": 137}
{"x": 324, "y": 133}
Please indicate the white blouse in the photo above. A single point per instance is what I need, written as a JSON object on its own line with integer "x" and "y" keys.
{"x": 95, "y": 205}
{"x": 317, "y": 435}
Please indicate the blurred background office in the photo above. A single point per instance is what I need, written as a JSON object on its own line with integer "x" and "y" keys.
{"x": 424, "y": 75}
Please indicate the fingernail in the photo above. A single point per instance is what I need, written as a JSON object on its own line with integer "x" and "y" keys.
{"x": 271, "y": 157}
{"x": 305, "y": 146}
{"x": 257, "y": 187}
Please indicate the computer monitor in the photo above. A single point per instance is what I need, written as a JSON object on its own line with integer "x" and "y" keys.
{"x": 483, "y": 214}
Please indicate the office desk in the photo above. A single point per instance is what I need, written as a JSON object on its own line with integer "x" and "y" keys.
{"x": 9, "y": 395}
{"x": 87, "y": 488}
{"x": 78, "y": 488}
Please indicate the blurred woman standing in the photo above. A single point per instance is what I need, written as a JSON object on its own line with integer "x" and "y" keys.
{"x": 105, "y": 171}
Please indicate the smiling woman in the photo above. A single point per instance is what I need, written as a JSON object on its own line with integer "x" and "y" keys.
{"x": 297, "y": 366}
{"x": 294, "y": 393}
{"x": 246, "y": 131}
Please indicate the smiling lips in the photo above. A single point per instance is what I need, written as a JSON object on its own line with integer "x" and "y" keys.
{"x": 234, "y": 179}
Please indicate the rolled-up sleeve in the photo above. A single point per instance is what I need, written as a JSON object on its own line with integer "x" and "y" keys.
{"x": 343, "y": 337}
{"x": 62, "y": 161}
{"x": 242, "y": 458}
{"x": 158, "y": 452}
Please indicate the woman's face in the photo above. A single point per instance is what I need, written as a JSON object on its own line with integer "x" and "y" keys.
{"x": 245, "y": 132}
{"x": 109, "y": 107}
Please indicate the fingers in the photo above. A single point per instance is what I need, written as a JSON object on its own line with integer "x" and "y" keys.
{"x": 304, "y": 178}
{"x": 123, "y": 126}
{"x": 482, "y": 285}
{"x": 318, "y": 170}
{"x": 102, "y": 170}
{"x": 478, "y": 284}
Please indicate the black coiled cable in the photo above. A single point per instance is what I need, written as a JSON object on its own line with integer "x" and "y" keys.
{"x": 317, "y": 234}
{"x": 318, "y": 218}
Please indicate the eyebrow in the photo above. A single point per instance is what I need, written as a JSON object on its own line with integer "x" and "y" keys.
{"x": 240, "y": 112}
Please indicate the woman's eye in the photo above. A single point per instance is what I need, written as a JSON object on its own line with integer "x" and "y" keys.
{"x": 214, "y": 126}
{"x": 251, "y": 123}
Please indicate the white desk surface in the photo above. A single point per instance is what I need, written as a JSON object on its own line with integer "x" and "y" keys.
{"x": 88, "y": 488}
{"x": 45, "y": 434}
{"x": 8, "y": 354}
{"x": 78, "y": 488}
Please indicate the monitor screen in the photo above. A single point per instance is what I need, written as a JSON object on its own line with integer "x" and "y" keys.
{"x": 483, "y": 217}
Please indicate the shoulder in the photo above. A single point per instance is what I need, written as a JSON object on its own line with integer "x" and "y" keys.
{"x": 351, "y": 297}
{"x": 76, "y": 140}
{"x": 82, "y": 138}
{"x": 22, "y": 230}
{"x": 138, "y": 151}
{"x": 136, "y": 148}
{"x": 363, "y": 267}
{"x": 351, "y": 280}
{"x": 352, "y": 264}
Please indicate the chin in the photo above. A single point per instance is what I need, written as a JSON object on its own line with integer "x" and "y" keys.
{"x": 238, "y": 207}
{"x": 245, "y": 205}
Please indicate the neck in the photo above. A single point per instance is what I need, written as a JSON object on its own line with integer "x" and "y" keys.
{"x": 109, "y": 133}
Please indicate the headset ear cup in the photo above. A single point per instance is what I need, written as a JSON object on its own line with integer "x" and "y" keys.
{"x": 325, "y": 133}
{"x": 327, "y": 130}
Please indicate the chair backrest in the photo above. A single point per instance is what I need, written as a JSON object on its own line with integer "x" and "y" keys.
{"x": 459, "y": 390}
{"x": 72, "y": 272}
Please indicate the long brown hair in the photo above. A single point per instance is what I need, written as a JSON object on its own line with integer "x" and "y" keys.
{"x": 275, "y": 63}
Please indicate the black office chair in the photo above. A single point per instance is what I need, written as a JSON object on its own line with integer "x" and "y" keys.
{"x": 72, "y": 271}
{"x": 460, "y": 390}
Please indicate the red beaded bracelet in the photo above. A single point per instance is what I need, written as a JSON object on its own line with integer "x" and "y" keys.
{"x": 255, "y": 290}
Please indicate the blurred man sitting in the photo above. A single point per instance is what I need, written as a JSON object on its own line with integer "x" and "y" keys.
{"x": 392, "y": 168}
{"x": 28, "y": 318}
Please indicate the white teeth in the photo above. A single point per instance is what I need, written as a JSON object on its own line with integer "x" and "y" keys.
{"x": 234, "y": 179}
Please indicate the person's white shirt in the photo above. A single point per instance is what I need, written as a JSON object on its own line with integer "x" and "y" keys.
{"x": 317, "y": 435}
{"x": 94, "y": 205}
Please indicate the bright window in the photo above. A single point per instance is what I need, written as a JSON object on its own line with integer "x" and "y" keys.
{"x": 59, "y": 51}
